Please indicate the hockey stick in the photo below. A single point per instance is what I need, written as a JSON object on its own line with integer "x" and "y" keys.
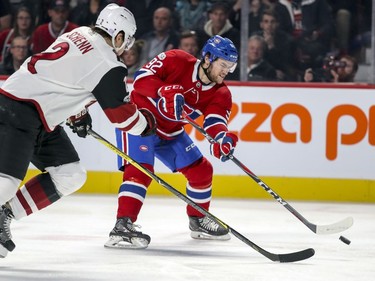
{"x": 290, "y": 257}
{"x": 318, "y": 229}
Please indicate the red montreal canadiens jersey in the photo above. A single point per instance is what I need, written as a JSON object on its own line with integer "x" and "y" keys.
{"x": 43, "y": 35}
{"x": 214, "y": 101}
{"x": 78, "y": 69}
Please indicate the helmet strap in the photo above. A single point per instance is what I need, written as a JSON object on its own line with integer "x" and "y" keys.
{"x": 205, "y": 70}
{"x": 118, "y": 50}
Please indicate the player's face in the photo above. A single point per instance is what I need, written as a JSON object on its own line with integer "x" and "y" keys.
{"x": 219, "y": 69}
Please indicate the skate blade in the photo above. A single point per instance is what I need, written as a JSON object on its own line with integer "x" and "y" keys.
{"x": 3, "y": 251}
{"x": 204, "y": 236}
{"x": 118, "y": 242}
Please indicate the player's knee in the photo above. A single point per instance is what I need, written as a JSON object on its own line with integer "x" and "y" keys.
{"x": 68, "y": 178}
{"x": 8, "y": 187}
{"x": 199, "y": 174}
{"x": 135, "y": 175}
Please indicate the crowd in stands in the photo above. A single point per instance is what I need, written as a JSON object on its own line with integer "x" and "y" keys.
{"x": 288, "y": 40}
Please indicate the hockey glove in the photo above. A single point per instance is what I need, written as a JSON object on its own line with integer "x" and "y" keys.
{"x": 224, "y": 146}
{"x": 80, "y": 123}
{"x": 151, "y": 122}
{"x": 170, "y": 104}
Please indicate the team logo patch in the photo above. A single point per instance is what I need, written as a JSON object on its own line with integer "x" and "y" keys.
{"x": 162, "y": 56}
{"x": 198, "y": 85}
{"x": 143, "y": 148}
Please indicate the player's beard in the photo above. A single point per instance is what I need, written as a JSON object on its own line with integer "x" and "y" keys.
{"x": 213, "y": 78}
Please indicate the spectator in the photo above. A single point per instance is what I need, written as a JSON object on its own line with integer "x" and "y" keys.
{"x": 256, "y": 8}
{"x": 23, "y": 26}
{"x": 280, "y": 46}
{"x": 310, "y": 23}
{"x": 219, "y": 24}
{"x": 342, "y": 70}
{"x": 5, "y": 15}
{"x": 143, "y": 11}
{"x": 132, "y": 57}
{"x": 19, "y": 51}
{"x": 47, "y": 33}
{"x": 192, "y": 13}
{"x": 189, "y": 43}
{"x": 162, "y": 38}
{"x": 85, "y": 13}
{"x": 258, "y": 68}
{"x": 36, "y": 8}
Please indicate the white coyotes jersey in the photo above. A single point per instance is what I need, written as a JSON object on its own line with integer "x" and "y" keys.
{"x": 76, "y": 70}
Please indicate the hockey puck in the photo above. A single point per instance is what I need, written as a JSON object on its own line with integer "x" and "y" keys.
{"x": 345, "y": 240}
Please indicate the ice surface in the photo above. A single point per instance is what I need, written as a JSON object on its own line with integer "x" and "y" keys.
{"x": 65, "y": 242}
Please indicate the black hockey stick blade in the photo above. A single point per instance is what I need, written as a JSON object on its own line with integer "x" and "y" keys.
{"x": 317, "y": 229}
{"x": 291, "y": 257}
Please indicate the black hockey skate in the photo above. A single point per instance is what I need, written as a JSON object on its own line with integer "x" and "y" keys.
{"x": 207, "y": 229}
{"x": 6, "y": 243}
{"x": 125, "y": 236}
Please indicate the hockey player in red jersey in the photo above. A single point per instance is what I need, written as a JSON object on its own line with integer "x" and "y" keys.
{"x": 172, "y": 84}
{"x": 79, "y": 68}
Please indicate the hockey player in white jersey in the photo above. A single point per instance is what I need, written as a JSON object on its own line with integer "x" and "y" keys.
{"x": 81, "y": 67}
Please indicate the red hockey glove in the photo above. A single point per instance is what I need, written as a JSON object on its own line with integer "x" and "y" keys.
{"x": 170, "y": 105}
{"x": 151, "y": 122}
{"x": 224, "y": 146}
{"x": 80, "y": 123}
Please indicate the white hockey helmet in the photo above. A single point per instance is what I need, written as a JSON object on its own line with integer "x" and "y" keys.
{"x": 113, "y": 19}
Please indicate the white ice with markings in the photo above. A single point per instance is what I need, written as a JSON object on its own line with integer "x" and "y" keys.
{"x": 65, "y": 242}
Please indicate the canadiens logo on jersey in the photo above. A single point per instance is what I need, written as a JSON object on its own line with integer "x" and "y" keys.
{"x": 143, "y": 147}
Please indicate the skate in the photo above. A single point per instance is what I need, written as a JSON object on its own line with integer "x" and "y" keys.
{"x": 207, "y": 229}
{"x": 6, "y": 243}
{"x": 125, "y": 236}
